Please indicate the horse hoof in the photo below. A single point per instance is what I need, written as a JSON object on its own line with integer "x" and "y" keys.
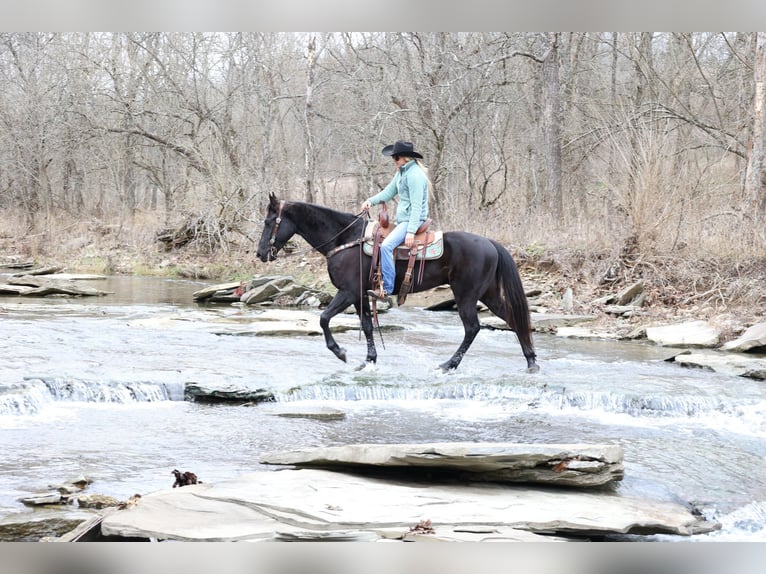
{"x": 533, "y": 369}
{"x": 341, "y": 354}
{"x": 444, "y": 368}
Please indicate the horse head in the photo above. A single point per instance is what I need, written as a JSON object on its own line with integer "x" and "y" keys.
{"x": 276, "y": 230}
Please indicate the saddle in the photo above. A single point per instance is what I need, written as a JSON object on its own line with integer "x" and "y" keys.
{"x": 429, "y": 244}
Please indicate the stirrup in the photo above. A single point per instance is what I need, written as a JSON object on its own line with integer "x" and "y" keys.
{"x": 379, "y": 295}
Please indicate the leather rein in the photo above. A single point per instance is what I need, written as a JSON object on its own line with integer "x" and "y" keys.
{"x": 275, "y": 230}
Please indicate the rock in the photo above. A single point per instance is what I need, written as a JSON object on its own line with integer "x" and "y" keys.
{"x": 728, "y": 363}
{"x": 40, "y": 271}
{"x": 752, "y": 340}
{"x": 74, "y": 485}
{"x": 631, "y": 295}
{"x": 567, "y": 300}
{"x": 303, "y": 412}
{"x": 263, "y": 293}
{"x": 6, "y": 289}
{"x": 269, "y": 289}
{"x": 585, "y": 333}
{"x": 690, "y": 334}
{"x": 97, "y": 501}
{"x": 43, "y": 499}
{"x": 42, "y": 286}
{"x": 623, "y": 310}
{"x": 546, "y": 322}
{"x": 570, "y": 465}
{"x": 267, "y": 322}
{"x": 33, "y": 526}
{"x": 239, "y": 395}
{"x": 309, "y": 504}
{"x": 220, "y": 290}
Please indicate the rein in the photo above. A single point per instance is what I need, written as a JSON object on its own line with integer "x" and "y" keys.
{"x": 275, "y": 230}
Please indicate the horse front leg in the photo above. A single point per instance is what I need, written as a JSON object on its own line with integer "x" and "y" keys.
{"x": 341, "y": 300}
{"x": 471, "y": 328}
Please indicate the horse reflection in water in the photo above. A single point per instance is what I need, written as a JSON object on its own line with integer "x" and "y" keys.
{"x": 476, "y": 268}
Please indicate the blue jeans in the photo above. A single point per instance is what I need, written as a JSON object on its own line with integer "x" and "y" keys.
{"x": 387, "y": 246}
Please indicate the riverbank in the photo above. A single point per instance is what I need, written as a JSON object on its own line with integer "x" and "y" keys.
{"x": 727, "y": 292}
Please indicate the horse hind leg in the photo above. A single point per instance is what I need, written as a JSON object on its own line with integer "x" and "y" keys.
{"x": 471, "y": 327}
{"x": 495, "y": 304}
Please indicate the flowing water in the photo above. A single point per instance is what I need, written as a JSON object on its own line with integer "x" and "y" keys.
{"x": 94, "y": 387}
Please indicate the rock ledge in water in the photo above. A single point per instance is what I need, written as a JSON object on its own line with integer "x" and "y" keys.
{"x": 559, "y": 464}
{"x": 310, "y": 504}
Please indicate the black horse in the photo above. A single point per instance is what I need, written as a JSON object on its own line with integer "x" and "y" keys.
{"x": 477, "y": 269}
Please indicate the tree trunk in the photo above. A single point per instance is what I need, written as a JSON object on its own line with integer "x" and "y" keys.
{"x": 309, "y": 158}
{"x": 552, "y": 123}
{"x": 755, "y": 186}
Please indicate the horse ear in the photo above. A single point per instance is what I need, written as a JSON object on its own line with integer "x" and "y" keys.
{"x": 273, "y": 201}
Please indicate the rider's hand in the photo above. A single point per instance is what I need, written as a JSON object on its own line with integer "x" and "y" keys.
{"x": 366, "y": 205}
{"x": 409, "y": 240}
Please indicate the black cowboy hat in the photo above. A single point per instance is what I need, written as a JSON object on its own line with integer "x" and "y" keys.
{"x": 401, "y": 148}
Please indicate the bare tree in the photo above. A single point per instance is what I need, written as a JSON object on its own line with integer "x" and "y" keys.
{"x": 755, "y": 179}
{"x": 308, "y": 117}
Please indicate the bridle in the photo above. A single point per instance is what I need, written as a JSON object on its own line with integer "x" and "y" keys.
{"x": 273, "y": 238}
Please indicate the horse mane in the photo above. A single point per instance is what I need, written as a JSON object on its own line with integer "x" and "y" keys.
{"x": 319, "y": 214}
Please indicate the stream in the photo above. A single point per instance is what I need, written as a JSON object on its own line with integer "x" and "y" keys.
{"x": 94, "y": 386}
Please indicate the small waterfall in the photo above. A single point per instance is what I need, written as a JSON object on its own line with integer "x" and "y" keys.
{"x": 23, "y": 399}
{"x": 33, "y": 394}
{"x": 515, "y": 397}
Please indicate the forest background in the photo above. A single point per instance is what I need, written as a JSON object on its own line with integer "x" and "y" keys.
{"x": 598, "y": 159}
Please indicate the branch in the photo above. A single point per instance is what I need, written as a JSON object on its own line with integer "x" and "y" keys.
{"x": 190, "y": 154}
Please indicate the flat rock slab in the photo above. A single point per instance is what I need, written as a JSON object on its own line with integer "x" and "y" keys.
{"x": 309, "y": 504}
{"x": 41, "y": 286}
{"x": 272, "y": 322}
{"x": 31, "y": 526}
{"x": 728, "y": 363}
{"x": 559, "y": 464}
{"x": 584, "y": 333}
{"x": 689, "y": 334}
{"x": 541, "y": 321}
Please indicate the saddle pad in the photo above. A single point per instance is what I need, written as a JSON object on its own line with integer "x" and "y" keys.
{"x": 433, "y": 250}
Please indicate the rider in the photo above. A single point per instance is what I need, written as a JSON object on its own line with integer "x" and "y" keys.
{"x": 411, "y": 184}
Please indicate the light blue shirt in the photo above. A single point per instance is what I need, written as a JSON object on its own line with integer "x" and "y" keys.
{"x": 411, "y": 184}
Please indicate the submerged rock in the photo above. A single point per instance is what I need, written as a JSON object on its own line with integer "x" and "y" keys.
{"x": 303, "y": 412}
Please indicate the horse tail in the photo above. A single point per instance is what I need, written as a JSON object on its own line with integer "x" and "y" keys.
{"x": 515, "y": 300}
